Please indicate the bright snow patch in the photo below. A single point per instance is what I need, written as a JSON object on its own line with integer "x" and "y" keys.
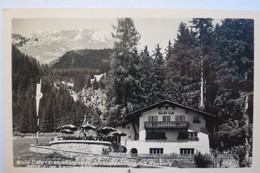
{"x": 97, "y": 77}
{"x": 68, "y": 84}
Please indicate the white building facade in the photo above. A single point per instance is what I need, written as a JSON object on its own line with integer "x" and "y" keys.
{"x": 166, "y": 128}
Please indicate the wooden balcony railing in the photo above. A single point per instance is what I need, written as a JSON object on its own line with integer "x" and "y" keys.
{"x": 166, "y": 124}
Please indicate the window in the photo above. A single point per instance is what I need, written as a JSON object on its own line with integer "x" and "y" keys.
{"x": 152, "y": 118}
{"x": 180, "y": 118}
{"x": 196, "y": 119}
{"x": 186, "y": 150}
{"x": 155, "y": 135}
{"x": 188, "y": 136}
{"x": 166, "y": 118}
{"x": 156, "y": 150}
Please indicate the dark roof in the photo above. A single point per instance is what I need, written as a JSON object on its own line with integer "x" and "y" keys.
{"x": 140, "y": 111}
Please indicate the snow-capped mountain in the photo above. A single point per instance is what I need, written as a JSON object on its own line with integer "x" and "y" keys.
{"x": 50, "y": 45}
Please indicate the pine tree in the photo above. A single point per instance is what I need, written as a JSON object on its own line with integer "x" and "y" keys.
{"x": 126, "y": 41}
{"x": 204, "y": 35}
{"x": 158, "y": 76}
{"x": 158, "y": 56}
{"x": 234, "y": 45}
{"x": 185, "y": 36}
{"x": 203, "y": 30}
{"x": 168, "y": 50}
{"x": 146, "y": 74}
{"x": 123, "y": 81}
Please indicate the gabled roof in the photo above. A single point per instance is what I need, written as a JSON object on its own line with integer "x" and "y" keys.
{"x": 161, "y": 104}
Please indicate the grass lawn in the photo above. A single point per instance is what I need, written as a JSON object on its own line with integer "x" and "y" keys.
{"x": 21, "y": 147}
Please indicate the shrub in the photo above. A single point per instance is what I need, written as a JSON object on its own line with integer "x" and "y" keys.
{"x": 239, "y": 153}
{"x": 220, "y": 161}
{"x": 202, "y": 161}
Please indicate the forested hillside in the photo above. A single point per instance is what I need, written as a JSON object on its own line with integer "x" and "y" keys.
{"x": 57, "y": 106}
{"x": 26, "y": 71}
{"x": 208, "y": 67}
{"x": 85, "y": 58}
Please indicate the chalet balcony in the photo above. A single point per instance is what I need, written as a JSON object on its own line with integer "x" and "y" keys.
{"x": 166, "y": 124}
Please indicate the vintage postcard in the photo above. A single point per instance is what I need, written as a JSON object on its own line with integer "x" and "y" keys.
{"x": 130, "y": 90}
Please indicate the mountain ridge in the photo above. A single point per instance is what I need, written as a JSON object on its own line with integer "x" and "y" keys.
{"x": 84, "y": 58}
{"x": 47, "y": 46}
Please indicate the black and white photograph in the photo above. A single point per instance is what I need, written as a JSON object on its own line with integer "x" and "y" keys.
{"x": 132, "y": 92}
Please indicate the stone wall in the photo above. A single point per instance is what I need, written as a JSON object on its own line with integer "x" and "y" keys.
{"x": 81, "y": 147}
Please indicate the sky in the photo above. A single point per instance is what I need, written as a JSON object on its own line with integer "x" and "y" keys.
{"x": 153, "y": 31}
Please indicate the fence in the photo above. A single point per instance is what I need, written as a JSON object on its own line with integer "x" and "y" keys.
{"x": 154, "y": 156}
{"x": 222, "y": 160}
